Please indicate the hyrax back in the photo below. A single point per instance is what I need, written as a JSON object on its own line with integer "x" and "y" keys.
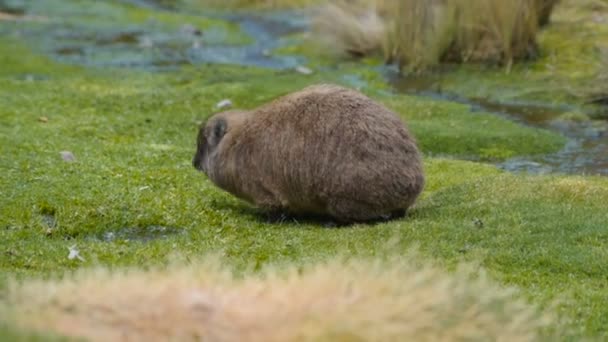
{"x": 324, "y": 150}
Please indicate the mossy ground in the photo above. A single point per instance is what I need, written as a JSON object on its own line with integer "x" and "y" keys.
{"x": 133, "y": 135}
{"x": 565, "y": 75}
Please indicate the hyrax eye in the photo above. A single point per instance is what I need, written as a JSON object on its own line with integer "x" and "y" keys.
{"x": 220, "y": 129}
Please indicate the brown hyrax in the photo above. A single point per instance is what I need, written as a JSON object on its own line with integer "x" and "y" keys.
{"x": 324, "y": 150}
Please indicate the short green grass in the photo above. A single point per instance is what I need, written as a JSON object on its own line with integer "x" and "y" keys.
{"x": 133, "y": 135}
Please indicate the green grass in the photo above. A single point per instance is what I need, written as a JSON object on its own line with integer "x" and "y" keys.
{"x": 133, "y": 136}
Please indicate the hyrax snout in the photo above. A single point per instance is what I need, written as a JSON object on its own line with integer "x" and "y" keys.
{"x": 324, "y": 150}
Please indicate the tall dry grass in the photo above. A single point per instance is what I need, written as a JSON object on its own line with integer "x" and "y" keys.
{"x": 351, "y": 27}
{"x": 335, "y": 301}
{"x": 544, "y": 8}
{"x": 420, "y": 34}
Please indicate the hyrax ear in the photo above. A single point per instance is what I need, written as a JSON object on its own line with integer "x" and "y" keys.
{"x": 219, "y": 129}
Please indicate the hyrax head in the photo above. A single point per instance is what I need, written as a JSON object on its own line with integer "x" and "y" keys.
{"x": 211, "y": 134}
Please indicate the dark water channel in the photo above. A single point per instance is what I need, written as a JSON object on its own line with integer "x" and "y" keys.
{"x": 586, "y": 151}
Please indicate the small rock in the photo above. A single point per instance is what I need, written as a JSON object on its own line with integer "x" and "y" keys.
{"x": 266, "y": 53}
{"x": 303, "y": 70}
{"x": 67, "y": 156}
{"x": 74, "y": 253}
{"x": 146, "y": 42}
{"x": 224, "y": 104}
{"x": 464, "y": 249}
{"x": 478, "y": 223}
{"x": 599, "y": 18}
{"x": 196, "y": 44}
{"x": 43, "y": 119}
{"x": 109, "y": 236}
{"x": 189, "y": 29}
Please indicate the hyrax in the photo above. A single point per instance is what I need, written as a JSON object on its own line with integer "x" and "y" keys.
{"x": 324, "y": 150}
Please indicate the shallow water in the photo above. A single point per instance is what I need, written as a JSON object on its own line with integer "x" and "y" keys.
{"x": 585, "y": 153}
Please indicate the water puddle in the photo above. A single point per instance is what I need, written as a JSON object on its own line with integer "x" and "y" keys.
{"x": 48, "y": 220}
{"x": 585, "y": 153}
{"x": 140, "y": 234}
{"x": 152, "y": 46}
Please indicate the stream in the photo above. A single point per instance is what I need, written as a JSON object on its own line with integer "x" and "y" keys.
{"x": 586, "y": 151}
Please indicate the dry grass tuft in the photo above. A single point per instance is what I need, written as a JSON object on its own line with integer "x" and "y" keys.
{"x": 419, "y": 34}
{"x": 346, "y": 301}
{"x": 354, "y": 28}
{"x": 544, "y": 8}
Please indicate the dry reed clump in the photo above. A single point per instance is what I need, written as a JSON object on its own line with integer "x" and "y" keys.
{"x": 338, "y": 300}
{"x": 419, "y": 34}
{"x": 354, "y": 28}
{"x": 544, "y": 8}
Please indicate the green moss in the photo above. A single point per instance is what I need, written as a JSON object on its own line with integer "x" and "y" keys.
{"x": 574, "y": 116}
{"x": 450, "y": 128}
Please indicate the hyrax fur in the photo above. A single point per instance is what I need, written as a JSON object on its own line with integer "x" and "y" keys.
{"x": 324, "y": 150}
